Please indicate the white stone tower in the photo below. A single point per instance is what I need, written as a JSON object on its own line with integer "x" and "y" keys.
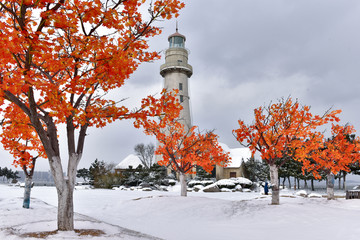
{"x": 176, "y": 72}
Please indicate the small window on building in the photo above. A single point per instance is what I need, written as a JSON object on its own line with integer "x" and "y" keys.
{"x": 181, "y": 98}
{"x": 232, "y": 174}
{"x": 180, "y": 86}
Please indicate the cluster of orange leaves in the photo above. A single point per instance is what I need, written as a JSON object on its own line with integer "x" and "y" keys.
{"x": 287, "y": 130}
{"x": 61, "y": 50}
{"x": 19, "y": 139}
{"x": 182, "y": 149}
{"x": 332, "y": 154}
{"x": 67, "y": 55}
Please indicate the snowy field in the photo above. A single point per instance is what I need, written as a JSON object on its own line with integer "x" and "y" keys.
{"x": 166, "y": 215}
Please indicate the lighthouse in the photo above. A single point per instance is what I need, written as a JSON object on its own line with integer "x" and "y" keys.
{"x": 176, "y": 71}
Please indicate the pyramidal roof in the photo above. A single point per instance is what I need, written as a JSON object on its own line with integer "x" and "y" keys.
{"x": 177, "y": 34}
{"x": 238, "y": 155}
{"x": 131, "y": 160}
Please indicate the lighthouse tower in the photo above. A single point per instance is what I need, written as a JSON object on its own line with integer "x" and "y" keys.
{"x": 176, "y": 72}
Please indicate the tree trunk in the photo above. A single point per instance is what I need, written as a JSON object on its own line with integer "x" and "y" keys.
{"x": 330, "y": 186}
{"x": 65, "y": 189}
{"x": 275, "y": 194}
{"x": 66, "y": 208}
{"x": 289, "y": 182}
{"x": 344, "y": 181}
{"x": 312, "y": 185}
{"x": 298, "y": 183}
{"x": 305, "y": 184}
{"x": 27, "y": 191}
{"x": 283, "y": 182}
{"x": 183, "y": 184}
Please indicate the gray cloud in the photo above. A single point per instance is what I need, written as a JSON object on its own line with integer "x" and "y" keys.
{"x": 244, "y": 54}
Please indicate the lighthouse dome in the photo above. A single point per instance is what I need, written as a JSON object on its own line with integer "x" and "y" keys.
{"x": 177, "y": 40}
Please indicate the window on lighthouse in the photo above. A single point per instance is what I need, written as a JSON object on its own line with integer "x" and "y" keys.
{"x": 181, "y": 98}
{"x": 180, "y": 86}
{"x": 177, "y": 42}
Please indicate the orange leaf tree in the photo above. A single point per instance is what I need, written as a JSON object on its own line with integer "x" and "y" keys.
{"x": 59, "y": 58}
{"x": 333, "y": 154}
{"x": 183, "y": 149}
{"x": 278, "y": 130}
{"x": 20, "y": 139}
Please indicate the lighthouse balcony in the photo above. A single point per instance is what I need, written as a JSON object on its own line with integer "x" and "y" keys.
{"x": 176, "y": 67}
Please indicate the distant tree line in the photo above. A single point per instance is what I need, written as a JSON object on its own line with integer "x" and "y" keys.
{"x": 8, "y": 174}
{"x": 103, "y": 175}
{"x": 258, "y": 171}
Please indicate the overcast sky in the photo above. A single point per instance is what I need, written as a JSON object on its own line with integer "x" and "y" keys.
{"x": 244, "y": 54}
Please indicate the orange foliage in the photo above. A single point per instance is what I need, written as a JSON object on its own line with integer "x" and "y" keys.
{"x": 58, "y": 59}
{"x": 20, "y": 139}
{"x": 334, "y": 154}
{"x": 182, "y": 149}
{"x": 286, "y": 130}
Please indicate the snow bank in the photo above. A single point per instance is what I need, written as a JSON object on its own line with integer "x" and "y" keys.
{"x": 194, "y": 183}
{"x": 204, "y": 183}
{"x": 197, "y": 188}
{"x": 220, "y": 215}
{"x": 236, "y": 184}
{"x": 226, "y": 183}
{"x": 301, "y": 193}
{"x": 211, "y": 188}
{"x": 315, "y": 195}
{"x": 226, "y": 190}
{"x": 242, "y": 180}
{"x": 238, "y": 188}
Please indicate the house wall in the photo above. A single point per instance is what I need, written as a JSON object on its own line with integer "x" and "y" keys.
{"x": 225, "y": 173}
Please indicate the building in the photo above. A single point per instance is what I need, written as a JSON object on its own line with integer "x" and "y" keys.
{"x": 176, "y": 71}
{"x": 130, "y": 162}
{"x": 235, "y": 167}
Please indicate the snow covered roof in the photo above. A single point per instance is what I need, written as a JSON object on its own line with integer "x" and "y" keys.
{"x": 131, "y": 160}
{"x": 238, "y": 155}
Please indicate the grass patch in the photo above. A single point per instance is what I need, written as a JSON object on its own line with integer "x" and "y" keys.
{"x": 80, "y": 232}
{"x": 39, "y": 234}
{"x": 89, "y": 232}
{"x": 336, "y": 196}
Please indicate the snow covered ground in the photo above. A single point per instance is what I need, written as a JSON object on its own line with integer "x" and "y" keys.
{"x": 166, "y": 215}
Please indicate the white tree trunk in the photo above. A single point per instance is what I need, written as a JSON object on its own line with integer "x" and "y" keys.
{"x": 183, "y": 185}
{"x": 275, "y": 193}
{"x": 65, "y": 189}
{"x": 27, "y": 192}
{"x": 330, "y": 186}
{"x": 65, "y": 208}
